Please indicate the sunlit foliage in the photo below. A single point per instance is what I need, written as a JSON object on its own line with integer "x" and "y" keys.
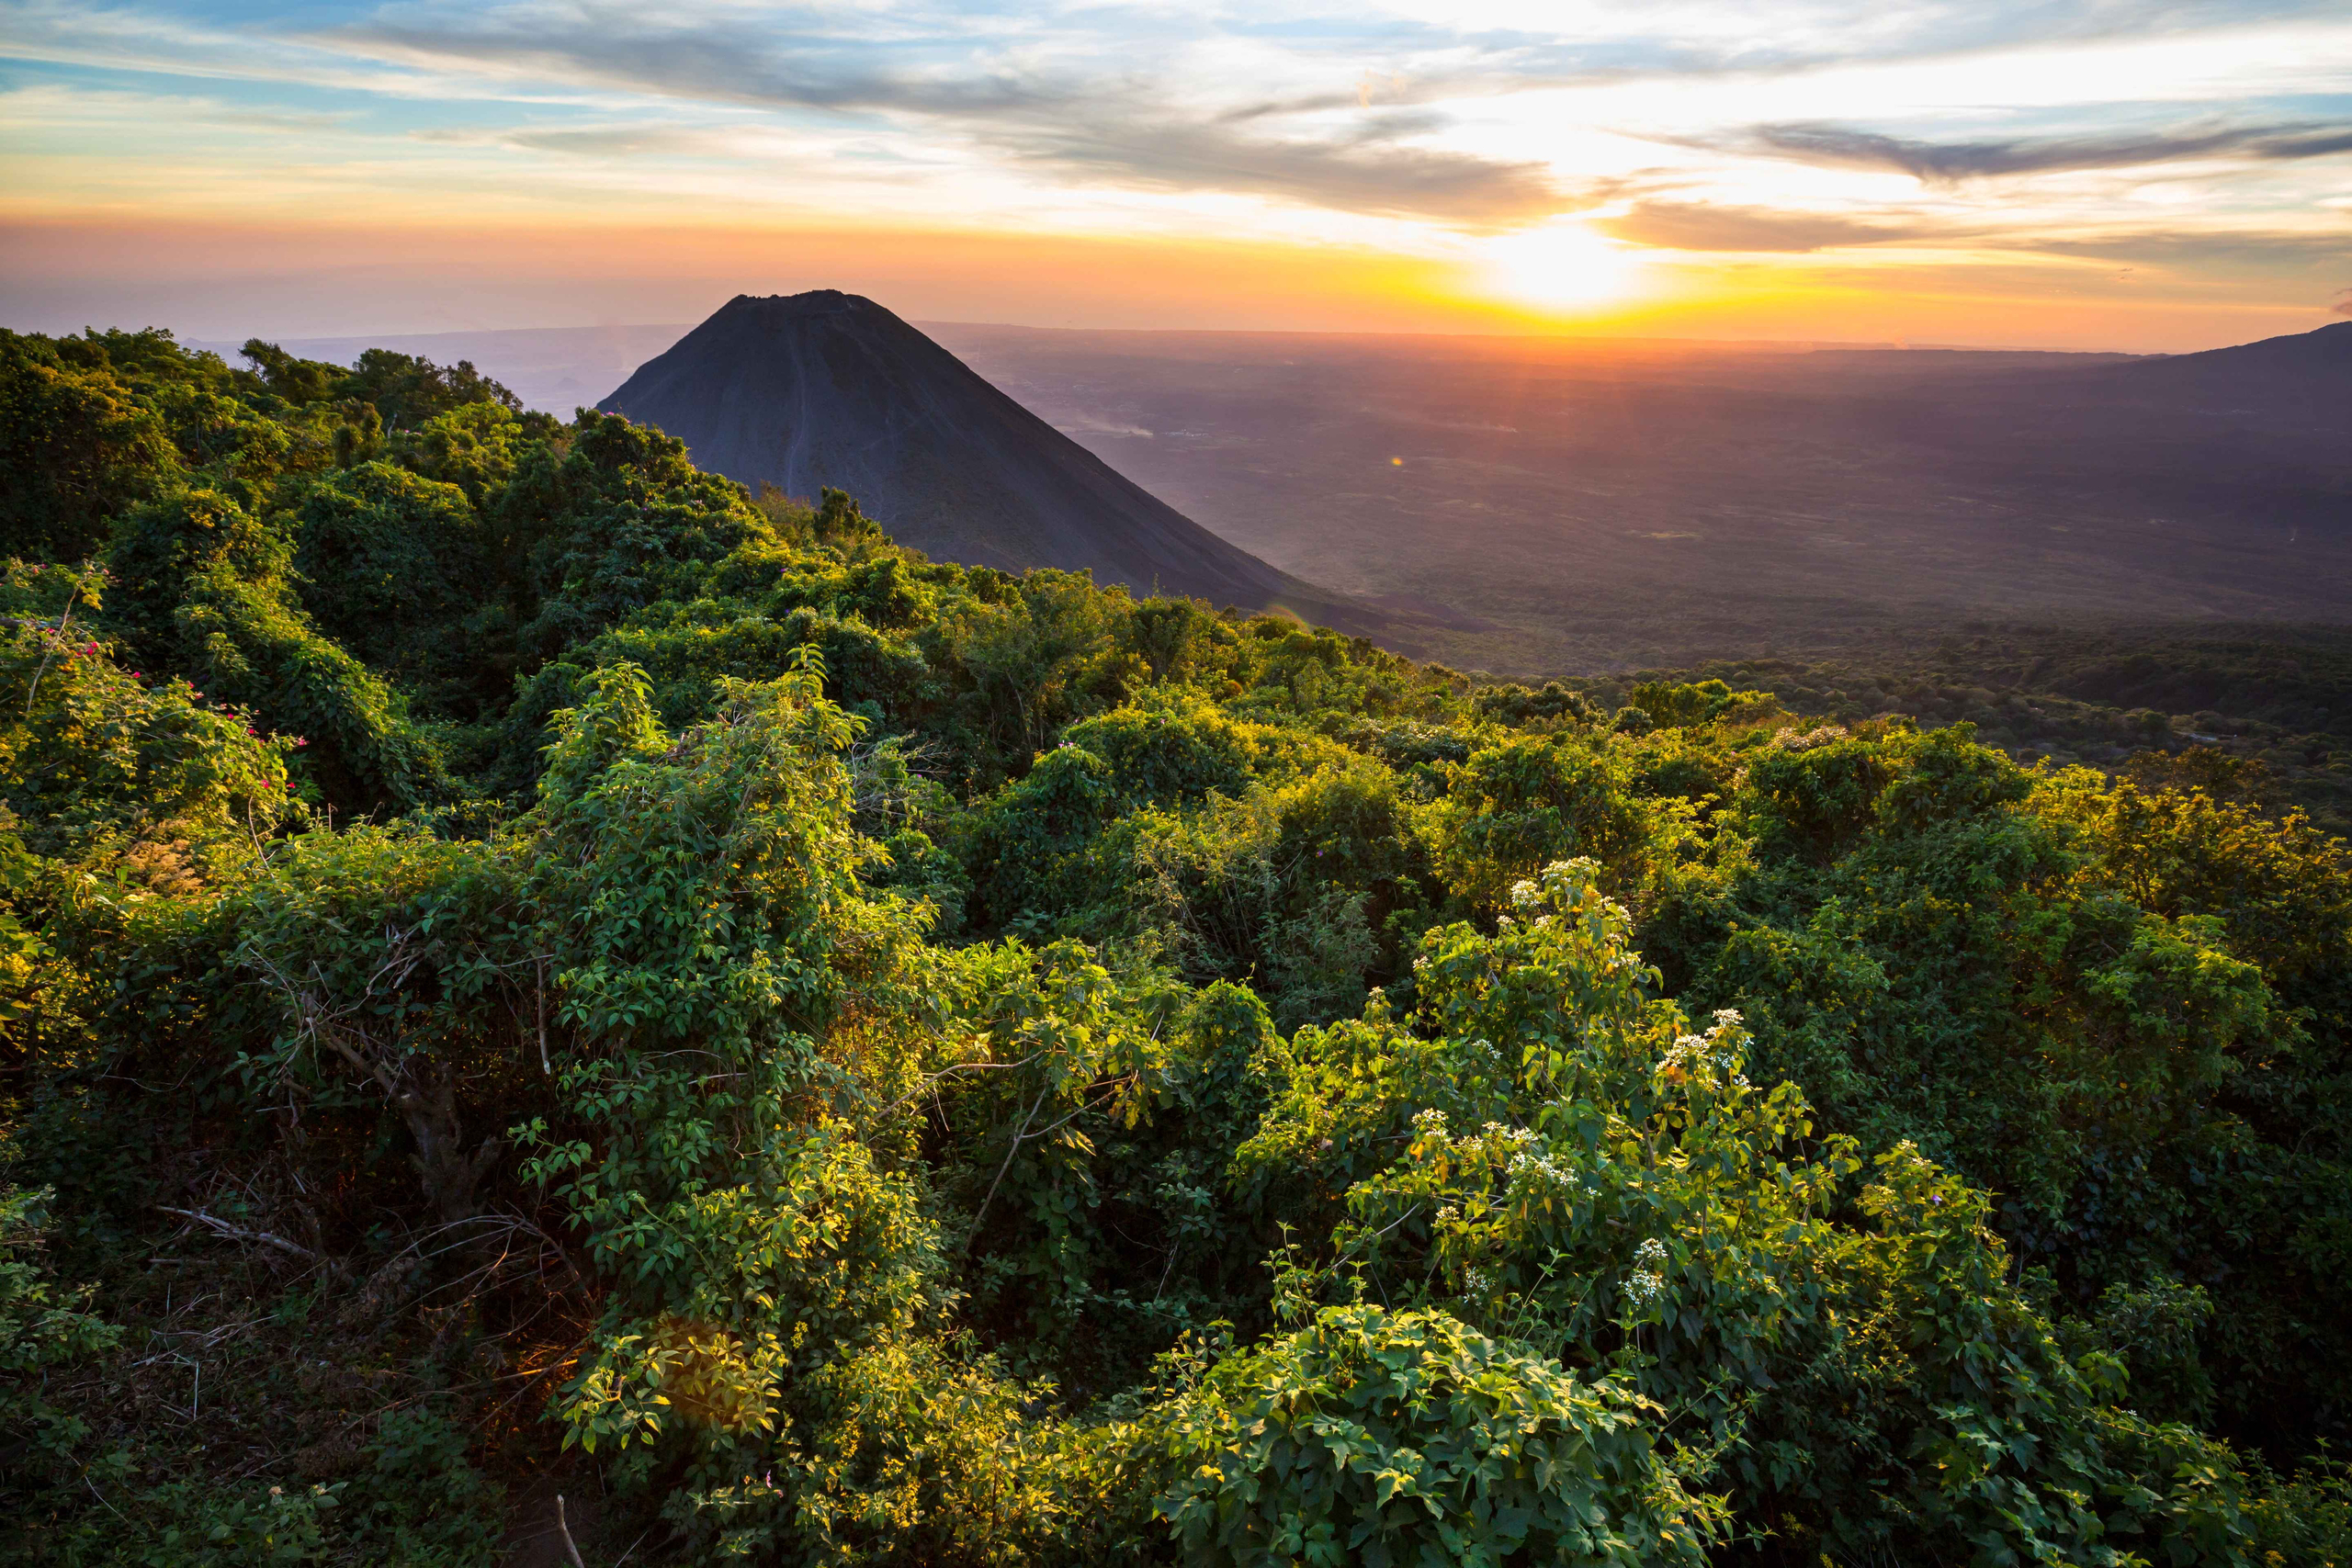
{"x": 524, "y": 967}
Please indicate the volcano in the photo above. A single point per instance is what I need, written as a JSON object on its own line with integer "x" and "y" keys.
{"x": 2299, "y": 383}
{"x": 2301, "y": 378}
{"x": 804, "y": 391}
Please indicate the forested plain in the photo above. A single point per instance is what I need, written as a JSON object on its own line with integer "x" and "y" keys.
{"x": 527, "y": 968}
{"x": 1573, "y": 505}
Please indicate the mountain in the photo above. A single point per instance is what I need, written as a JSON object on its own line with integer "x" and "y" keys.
{"x": 2299, "y": 381}
{"x": 2301, "y": 374}
{"x": 2233, "y": 444}
{"x": 807, "y": 391}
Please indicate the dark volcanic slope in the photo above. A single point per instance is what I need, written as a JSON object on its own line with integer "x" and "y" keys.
{"x": 2304, "y": 378}
{"x": 807, "y": 391}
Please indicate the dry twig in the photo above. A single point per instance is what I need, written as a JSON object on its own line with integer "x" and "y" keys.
{"x": 569, "y": 1546}
{"x": 228, "y": 1232}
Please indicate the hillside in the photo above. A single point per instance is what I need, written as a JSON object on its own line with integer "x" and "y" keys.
{"x": 551, "y": 1005}
{"x": 2303, "y": 379}
{"x": 829, "y": 390}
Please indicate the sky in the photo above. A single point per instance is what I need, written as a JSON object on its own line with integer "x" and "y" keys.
{"x": 2068, "y": 173}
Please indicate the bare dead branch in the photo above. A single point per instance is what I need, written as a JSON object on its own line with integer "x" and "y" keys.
{"x": 228, "y": 1232}
{"x": 568, "y": 1545}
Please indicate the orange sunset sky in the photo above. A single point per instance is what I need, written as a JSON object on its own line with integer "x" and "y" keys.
{"x": 2098, "y": 173}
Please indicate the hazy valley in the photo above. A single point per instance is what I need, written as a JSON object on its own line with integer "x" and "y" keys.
{"x": 1580, "y": 506}
{"x": 1614, "y": 506}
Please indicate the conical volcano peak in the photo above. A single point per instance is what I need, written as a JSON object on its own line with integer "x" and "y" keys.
{"x": 826, "y": 389}
{"x": 778, "y": 308}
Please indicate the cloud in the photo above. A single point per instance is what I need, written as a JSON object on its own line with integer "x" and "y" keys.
{"x": 52, "y": 105}
{"x": 1058, "y": 116}
{"x": 1354, "y": 173}
{"x": 1698, "y": 226}
{"x": 600, "y": 140}
{"x": 767, "y": 59}
{"x": 1947, "y": 163}
{"x": 2211, "y": 251}
{"x": 2343, "y": 306}
{"x": 1404, "y": 109}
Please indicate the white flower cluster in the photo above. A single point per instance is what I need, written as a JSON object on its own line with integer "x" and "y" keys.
{"x": 1479, "y": 1281}
{"x": 1540, "y": 1169}
{"x": 1697, "y": 1055}
{"x": 1524, "y": 1165}
{"x": 1430, "y": 1123}
{"x": 1790, "y": 740}
{"x": 1448, "y": 1214}
{"x": 1645, "y": 1284}
{"x": 1525, "y": 894}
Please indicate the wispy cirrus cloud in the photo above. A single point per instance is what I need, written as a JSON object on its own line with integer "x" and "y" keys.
{"x": 2239, "y": 249}
{"x": 1711, "y": 227}
{"x": 1778, "y": 138}
{"x": 1950, "y": 162}
{"x": 1345, "y": 173}
{"x": 1352, "y": 173}
{"x": 1033, "y": 103}
{"x": 1706, "y": 226}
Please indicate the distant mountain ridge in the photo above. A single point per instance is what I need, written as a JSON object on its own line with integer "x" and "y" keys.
{"x": 2297, "y": 379}
{"x": 824, "y": 388}
{"x": 2323, "y": 351}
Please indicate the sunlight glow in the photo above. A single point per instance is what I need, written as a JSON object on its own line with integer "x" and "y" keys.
{"x": 1559, "y": 266}
{"x": 1822, "y": 167}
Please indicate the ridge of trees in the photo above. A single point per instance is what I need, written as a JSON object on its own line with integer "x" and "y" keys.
{"x": 527, "y": 968}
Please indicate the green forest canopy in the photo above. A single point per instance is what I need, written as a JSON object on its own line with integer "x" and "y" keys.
{"x": 524, "y": 966}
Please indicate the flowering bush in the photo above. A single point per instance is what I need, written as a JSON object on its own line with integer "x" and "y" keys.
{"x": 1407, "y": 1439}
{"x": 1630, "y": 1203}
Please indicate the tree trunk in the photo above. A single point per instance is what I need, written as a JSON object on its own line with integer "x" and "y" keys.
{"x": 450, "y": 1174}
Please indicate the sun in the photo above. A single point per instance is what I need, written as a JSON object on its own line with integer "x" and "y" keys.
{"x": 1559, "y": 266}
